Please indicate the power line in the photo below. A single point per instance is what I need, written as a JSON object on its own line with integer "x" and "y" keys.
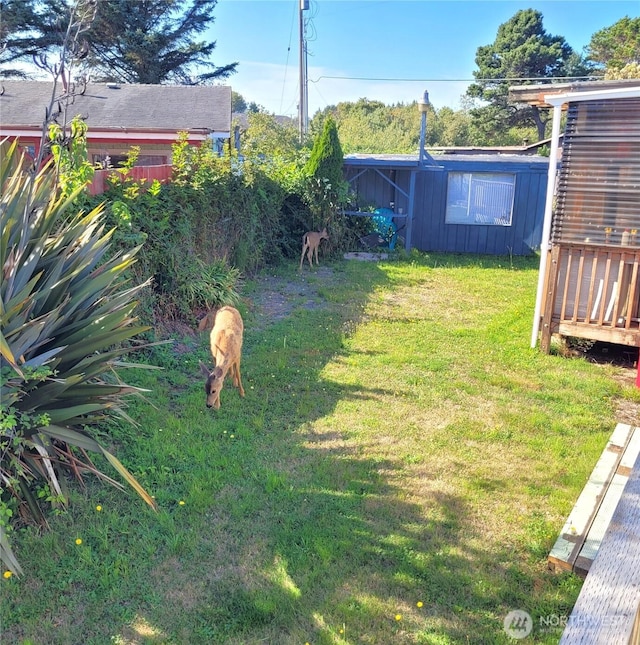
{"x": 284, "y": 81}
{"x": 456, "y": 80}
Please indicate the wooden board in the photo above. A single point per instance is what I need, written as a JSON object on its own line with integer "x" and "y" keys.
{"x": 607, "y": 611}
{"x": 582, "y": 534}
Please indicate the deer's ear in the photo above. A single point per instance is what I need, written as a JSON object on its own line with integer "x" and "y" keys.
{"x": 207, "y": 322}
{"x": 204, "y": 369}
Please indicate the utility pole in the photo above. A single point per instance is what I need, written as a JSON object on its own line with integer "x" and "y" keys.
{"x": 303, "y": 107}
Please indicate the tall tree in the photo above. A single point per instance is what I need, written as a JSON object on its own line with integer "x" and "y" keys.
{"x": 270, "y": 136}
{"x": 153, "y": 41}
{"x": 326, "y": 187}
{"x": 130, "y": 41}
{"x": 522, "y": 52}
{"x": 238, "y": 103}
{"x": 30, "y": 29}
{"x": 617, "y": 46}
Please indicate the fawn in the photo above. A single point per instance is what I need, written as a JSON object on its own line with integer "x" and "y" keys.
{"x": 226, "y": 349}
{"x": 310, "y": 243}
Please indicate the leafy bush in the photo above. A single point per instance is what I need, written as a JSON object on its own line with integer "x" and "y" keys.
{"x": 215, "y": 221}
{"x": 66, "y": 313}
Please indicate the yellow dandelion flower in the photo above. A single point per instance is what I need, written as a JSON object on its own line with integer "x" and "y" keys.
{"x": 398, "y": 616}
{"x": 7, "y": 574}
{"x": 181, "y": 502}
{"x": 98, "y": 508}
{"x": 78, "y": 541}
{"x": 419, "y": 603}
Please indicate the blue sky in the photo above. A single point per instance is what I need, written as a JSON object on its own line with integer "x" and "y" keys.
{"x": 431, "y": 42}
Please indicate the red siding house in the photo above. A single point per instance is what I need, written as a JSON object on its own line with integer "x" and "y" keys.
{"x": 120, "y": 116}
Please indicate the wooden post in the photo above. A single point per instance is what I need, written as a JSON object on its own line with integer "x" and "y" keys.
{"x": 551, "y": 285}
{"x": 411, "y": 206}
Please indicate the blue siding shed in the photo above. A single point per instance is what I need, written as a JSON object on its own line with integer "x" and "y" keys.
{"x": 418, "y": 194}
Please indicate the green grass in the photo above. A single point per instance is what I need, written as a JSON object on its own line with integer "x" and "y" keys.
{"x": 399, "y": 442}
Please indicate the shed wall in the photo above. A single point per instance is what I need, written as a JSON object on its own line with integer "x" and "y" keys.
{"x": 430, "y": 232}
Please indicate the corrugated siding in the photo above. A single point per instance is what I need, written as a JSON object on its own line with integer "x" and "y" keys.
{"x": 598, "y": 193}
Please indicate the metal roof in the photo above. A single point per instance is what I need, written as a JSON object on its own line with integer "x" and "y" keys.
{"x": 111, "y": 106}
{"x": 411, "y": 161}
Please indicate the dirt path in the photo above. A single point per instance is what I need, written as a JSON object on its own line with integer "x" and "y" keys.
{"x": 276, "y": 297}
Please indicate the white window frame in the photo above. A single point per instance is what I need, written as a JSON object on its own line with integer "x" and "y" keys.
{"x": 480, "y": 198}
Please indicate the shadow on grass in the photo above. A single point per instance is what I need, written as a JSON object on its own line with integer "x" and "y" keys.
{"x": 292, "y": 531}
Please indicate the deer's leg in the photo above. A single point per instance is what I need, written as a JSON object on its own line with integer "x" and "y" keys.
{"x": 237, "y": 380}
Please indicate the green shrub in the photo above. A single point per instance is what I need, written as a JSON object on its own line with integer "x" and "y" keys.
{"x": 66, "y": 314}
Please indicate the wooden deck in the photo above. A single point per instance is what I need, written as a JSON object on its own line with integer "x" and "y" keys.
{"x": 581, "y": 537}
{"x": 607, "y": 611}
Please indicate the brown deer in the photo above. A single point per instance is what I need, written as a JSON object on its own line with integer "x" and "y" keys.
{"x": 310, "y": 243}
{"x": 226, "y": 349}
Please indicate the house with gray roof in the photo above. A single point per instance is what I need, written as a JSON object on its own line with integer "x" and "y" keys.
{"x": 119, "y": 116}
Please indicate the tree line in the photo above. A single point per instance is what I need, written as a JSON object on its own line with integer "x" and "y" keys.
{"x": 160, "y": 41}
{"x": 522, "y": 49}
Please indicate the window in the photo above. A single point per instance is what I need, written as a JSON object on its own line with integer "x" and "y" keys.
{"x": 118, "y": 161}
{"x": 480, "y": 198}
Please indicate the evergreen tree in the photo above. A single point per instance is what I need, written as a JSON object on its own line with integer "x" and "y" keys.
{"x": 617, "y": 46}
{"x": 129, "y": 41}
{"x": 327, "y": 158}
{"x": 31, "y": 29}
{"x": 238, "y": 103}
{"x": 522, "y": 52}
{"x": 326, "y": 186}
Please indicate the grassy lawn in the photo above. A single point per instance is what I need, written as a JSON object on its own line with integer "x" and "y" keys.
{"x": 397, "y": 473}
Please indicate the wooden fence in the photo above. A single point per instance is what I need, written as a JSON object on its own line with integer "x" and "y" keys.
{"x": 147, "y": 173}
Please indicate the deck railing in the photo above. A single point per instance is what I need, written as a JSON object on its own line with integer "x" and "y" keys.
{"x": 593, "y": 292}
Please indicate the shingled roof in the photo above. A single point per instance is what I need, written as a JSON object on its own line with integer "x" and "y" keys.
{"x": 107, "y": 106}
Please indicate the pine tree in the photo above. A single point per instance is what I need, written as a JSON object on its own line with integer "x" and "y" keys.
{"x": 129, "y": 41}
{"x": 522, "y": 50}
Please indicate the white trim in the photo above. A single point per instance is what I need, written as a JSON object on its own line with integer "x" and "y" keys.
{"x": 592, "y": 95}
{"x": 121, "y": 135}
{"x": 546, "y": 227}
{"x": 20, "y": 133}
